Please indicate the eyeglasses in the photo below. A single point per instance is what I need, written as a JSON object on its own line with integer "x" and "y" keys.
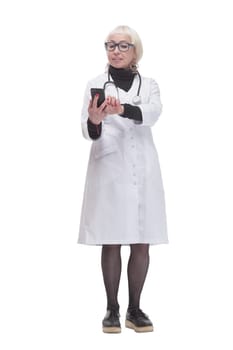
{"x": 123, "y": 46}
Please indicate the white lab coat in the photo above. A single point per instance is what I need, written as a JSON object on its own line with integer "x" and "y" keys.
{"x": 123, "y": 200}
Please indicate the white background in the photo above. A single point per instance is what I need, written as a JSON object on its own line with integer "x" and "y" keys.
{"x": 52, "y": 295}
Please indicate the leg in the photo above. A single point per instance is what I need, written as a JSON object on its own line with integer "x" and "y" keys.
{"x": 111, "y": 268}
{"x": 138, "y": 265}
{"x": 137, "y": 270}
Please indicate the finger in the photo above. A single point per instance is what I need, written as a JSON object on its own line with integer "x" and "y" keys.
{"x": 113, "y": 101}
{"x": 95, "y": 100}
{"x": 90, "y": 103}
{"x": 103, "y": 106}
{"x": 117, "y": 103}
{"x": 108, "y": 99}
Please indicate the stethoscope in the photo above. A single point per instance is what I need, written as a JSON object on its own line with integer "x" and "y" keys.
{"x": 136, "y": 99}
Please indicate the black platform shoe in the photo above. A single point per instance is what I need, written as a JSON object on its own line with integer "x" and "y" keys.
{"x": 111, "y": 322}
{"x": 137, "y": 320}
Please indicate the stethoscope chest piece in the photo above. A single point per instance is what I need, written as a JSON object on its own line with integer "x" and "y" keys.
{"x": 137, "y": 100}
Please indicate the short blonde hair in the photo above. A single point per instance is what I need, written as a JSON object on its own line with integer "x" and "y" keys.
{"x": 134, "y": 37}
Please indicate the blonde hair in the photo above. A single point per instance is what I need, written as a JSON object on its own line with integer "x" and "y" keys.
{"x": 135, "y": 39}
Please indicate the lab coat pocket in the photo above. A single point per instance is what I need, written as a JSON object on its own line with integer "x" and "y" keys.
{"x": 103, "y": 150}
{"x": 107, "y": 162}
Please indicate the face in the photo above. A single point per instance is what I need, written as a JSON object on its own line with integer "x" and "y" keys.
{"x": 117, "y": 58}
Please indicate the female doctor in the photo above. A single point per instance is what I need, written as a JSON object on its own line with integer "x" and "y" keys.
{"x": 123, "y": 200}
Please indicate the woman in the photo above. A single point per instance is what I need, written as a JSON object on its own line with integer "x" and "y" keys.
{"x": 123, "y": 200}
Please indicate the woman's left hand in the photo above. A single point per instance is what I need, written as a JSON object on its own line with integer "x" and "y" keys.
{"x": 113, "y": 106}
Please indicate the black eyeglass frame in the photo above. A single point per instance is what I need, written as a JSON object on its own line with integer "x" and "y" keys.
{"x": 129, "y": 45}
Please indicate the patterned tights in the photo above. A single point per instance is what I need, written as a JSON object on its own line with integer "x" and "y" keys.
{"x": 137, "y": 268}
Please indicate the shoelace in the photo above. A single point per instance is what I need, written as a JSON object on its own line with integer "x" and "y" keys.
{"x": 114, "y": 313}
{"x": 138, "y": 313}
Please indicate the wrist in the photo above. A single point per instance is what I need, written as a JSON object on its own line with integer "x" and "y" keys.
{"x": 93, "y": 121}
{"x": 122, "y": 110}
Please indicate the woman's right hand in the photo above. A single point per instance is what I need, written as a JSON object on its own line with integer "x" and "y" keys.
{"x": 97, "y": 114}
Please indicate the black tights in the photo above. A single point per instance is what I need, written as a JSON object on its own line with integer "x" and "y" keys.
{"x": 137, "y": 270}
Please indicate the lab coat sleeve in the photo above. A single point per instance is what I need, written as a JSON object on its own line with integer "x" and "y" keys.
{"x": 151, "y": 110}
{"x": 84, "y": 113}
{"x": 94, "y": 130}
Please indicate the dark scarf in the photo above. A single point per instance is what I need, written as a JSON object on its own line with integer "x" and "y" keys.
{"x": 123, "y": 78}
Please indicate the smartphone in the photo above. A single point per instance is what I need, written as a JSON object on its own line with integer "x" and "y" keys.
{"x": 101, "y": 94}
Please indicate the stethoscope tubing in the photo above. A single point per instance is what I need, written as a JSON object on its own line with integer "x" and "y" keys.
{"x": 109, "y": 81}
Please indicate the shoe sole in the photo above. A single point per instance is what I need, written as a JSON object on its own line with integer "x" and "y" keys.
{"x": 111, "y": 329}
{"x": 144, "y": 329}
